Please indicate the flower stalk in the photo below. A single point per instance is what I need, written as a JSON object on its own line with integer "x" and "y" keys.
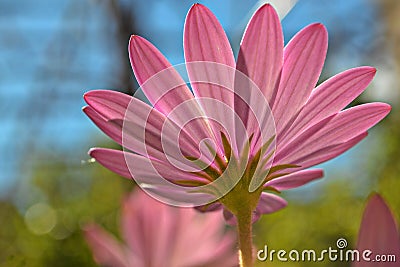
{"x": 242, "y": 204}
{"x": 244, "y": 227}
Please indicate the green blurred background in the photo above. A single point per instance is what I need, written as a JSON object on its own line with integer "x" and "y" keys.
{"x": 51, "y": 52}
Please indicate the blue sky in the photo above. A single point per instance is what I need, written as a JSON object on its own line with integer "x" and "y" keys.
{"x": 54, "y": 51}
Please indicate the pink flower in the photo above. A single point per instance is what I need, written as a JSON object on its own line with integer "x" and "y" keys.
{"x": 160, "y": 235}
{"x": 271, "y": 127}
{"x": 379, "y": 234}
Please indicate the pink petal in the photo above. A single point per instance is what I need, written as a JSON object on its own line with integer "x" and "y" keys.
{"x": 147, "y": 61}
{"x": 341, "y": 128}
{"x": 165, "y": 90}
{"x": 252, "y": 112}
{"x": 286, "y": 150}
{"x": 168, "y": 143}
{"x": 329, "y": 98}
{"x": 205, "y": 40}
{"x": 113, "y": 106}
{"x": 117, "y": 107}
{"x": 131, "y": 165}
{"x": 109, "y": 128}
{"x": 259, "y": 61}
{"x": 261, "y": 50}
{"x": 270, "y": 203}
{"x": 145, "y": 130}
{"x": 378, "y": 232}
{"x": 303, "y": 60}
{"x": 106, "y": 250}
{"x": 106, "y": 106}
{"x": 212, "y": 247}
{"x": 350, "y": 123}
{"x": 295, "y": 179}
{"x": 114, "y": 160}
{"x": 110, "y": 104}
{"x": 162, "y": 235}
{"x": 328, "y": 153}
{"x": 210, "y": 65}
{"x": 148, "y": 226}
{"x": 157, "y": 177}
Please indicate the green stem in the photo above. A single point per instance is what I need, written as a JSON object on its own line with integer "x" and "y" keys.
{"x": 245, "y": 237}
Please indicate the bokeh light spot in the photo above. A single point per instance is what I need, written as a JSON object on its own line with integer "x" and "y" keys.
{"x": 40, "y": 218}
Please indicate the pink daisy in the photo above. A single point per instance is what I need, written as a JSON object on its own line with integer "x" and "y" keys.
{"x": 160, "y": 235}
{"x": 309, "y": 124}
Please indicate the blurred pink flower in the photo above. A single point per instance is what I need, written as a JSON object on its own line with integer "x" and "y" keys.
{"x": 310, "y": 126}
{"x": 160, "y": 235}
{"x": 378, "y": 233}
